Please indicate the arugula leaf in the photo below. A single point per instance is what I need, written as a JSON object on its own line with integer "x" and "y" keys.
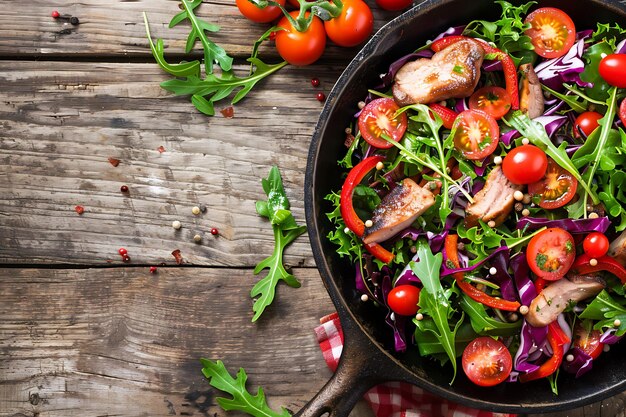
{"x": 508, "y": 33}
{"x": 434, "y": 301}
{"x": 286, "y": 230}
{"x": 428, "y": 343}
{"x": 483, "y": 324}
{"x": 212, "y": 52}
{"x": 242, "y": 400}
{"x": 218, "y": 88}
{"x": 536, "y": 134}
{"x": 606, "y": 310}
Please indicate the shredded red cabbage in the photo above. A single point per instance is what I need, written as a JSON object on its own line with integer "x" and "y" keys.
{"x": 574, "y": 226}
{"x": 581, "y": 363}
{"x": 566, "y": 69}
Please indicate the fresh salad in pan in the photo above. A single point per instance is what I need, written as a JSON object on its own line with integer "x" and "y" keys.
{"x": 484, "y": 200}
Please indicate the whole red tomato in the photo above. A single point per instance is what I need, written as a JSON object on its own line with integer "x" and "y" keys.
{"x": 256, "y": 14}
{"x": 353, "y": 25}
{"x": 394, "y": 4}
{"x": 300, "y": 48}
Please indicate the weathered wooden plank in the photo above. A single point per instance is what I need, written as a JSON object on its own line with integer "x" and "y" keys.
{"x": 60, "y": 122}
{"x": 124, "y": 342}
{"x": 115, "y": 29}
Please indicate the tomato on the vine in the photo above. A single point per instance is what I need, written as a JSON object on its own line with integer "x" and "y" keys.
{"x": 551, "y": 253}
{"x": 486, "y": 361}
{"x": 612, "y": 69}
{"x": 300, "y": 48}
{"x": 556, "y": 189}
{"x": 394, "y": 5}
{"x": 256, "y": 14}
{"x": 353, "y": 25}
{"x": 525, "y": 164}
{"x": 493, "y": 100}
{"x": 403, "y": 299}
{"x": 596, "y": 244}
{"x": 476, "y": 134}
{"x": 552, "y": 32}
{"x": 586, "y": 122}
{"x": 378, "y": 118}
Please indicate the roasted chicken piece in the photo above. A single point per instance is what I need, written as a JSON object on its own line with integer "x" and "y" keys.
{"x": 555, "y": 298}
{"x": 398, "y": 210}
{"x": 618, "y": 248}
{"x": 452, "y": 72}
{"x": 494, "y": 202}
{"x": 531, "y": 95}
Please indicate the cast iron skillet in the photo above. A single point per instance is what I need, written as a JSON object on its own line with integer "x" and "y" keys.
{"x": 368, "y": 357}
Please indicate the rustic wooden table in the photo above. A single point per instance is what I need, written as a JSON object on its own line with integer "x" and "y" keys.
{"x": 81, "y": 332}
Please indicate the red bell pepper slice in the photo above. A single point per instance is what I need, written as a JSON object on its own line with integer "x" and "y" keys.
{"x": 557, "y": 339}
{"x": 450, "y": 245}
{"x": 351, "y": 219}
{"x": 448, "y": 116}
{"x": 508, "y": 66}
{"x": 582, "y": 265}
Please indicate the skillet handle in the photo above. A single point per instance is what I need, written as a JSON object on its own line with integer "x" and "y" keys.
{"x": 357, "y": 372}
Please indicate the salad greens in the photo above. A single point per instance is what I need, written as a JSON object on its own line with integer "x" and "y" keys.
{"x": 241, "y": 400}
{"x": 210, "y": 88}
{"x": 487, "y": 277}
{"x": 286, "y": 230}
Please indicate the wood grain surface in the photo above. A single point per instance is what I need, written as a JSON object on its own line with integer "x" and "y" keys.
{"x": 81, "y": 333}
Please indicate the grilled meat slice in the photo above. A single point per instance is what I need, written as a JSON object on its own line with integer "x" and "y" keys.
{"x": 398, "y": 210}
{"x": 494, "y": 202}
{"x": 618, "y": 248}
{"x": 531, "y": 95}
{"x": 555, "y": 298}
{"x": 451, "y": 72}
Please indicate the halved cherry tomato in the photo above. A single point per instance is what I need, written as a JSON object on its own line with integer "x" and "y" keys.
{"x": 403, "y": 299}
{"x": 622, "y": 112}
{"x": 525, "y": 164}
{"x": 493, "y": 100}
{"x": 477, "y": 134}
{"x": 379, "y": 118}
{"x": 552, "y": 32}
{"x": 587, "y": 339}
{"x": 551, "y": 253}
{"x": 556, "y": 189}
{"x": 256, "y": 14}
{"x": 486, "y": 361}
{"x": 613, "y": 69}
{"x": 394, "y": 5}
{"x": 586, "y": 122}
{"x": 300, "y": 48}
{"x": 353, "y": 25}
{"x": 596, "y": 244}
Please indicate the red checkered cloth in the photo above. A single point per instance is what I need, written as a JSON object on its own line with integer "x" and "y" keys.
{"x": 392, "y": 399}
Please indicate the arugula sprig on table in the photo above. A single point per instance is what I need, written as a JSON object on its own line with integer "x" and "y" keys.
{"x": 241, "y": 400}
{"x": 206, "y": 90}
{"x": 286, "y": 230}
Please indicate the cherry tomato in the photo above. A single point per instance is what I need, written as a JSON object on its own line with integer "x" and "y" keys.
{"x": 394, "y": 5}
{"x": 353, "y": 25}
{"x": 596, "y": 244}
{"x": 525, "y": 164}
{"x": 403, "y": 300}
{"x": 300, "y": 48}
{"x": 256, "y": 14}
{"x": 622, "y": 112}
{"x": 493, "y": 100}
{"x": 379, "y": 118}
{"x": 587, "y": 339}
{"x": 552, "y": 32}
{"x": 556, "y": 189}
{"x": 613, "y": 69}
{"x": 476, "y": 135}
{"x": 586, "y": 122}
{"x": 551, "y": 253}
{"x": 486, "y": 361}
